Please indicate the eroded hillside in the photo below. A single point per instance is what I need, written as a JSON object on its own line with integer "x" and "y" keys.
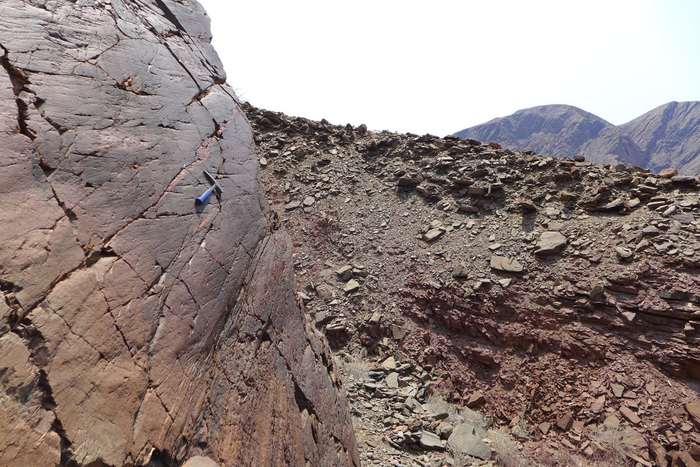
{"x": 557, "y": 298}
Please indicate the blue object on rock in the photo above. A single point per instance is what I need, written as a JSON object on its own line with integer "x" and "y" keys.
{"x": 215, "y": 186}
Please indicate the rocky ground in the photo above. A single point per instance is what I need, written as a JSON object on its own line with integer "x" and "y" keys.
{"x": 490, "y": 307}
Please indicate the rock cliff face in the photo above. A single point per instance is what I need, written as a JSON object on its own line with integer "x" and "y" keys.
{"x": 137, "y": 327}
{"x": 668, "y": 136}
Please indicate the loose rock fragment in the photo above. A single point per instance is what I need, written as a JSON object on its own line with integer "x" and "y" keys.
{"x": 550, "y": 243}
{"x": 629, "y": 415}
{"x": 351, "y": 286}
{"x": 463, "y": 440}
{"x": 433, "y": 234}
{"x": 501, "y": 263}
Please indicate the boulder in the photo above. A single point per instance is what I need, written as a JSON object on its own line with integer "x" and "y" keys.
{"x": 145, "y": 321}
{"x": 501, "y": 263}
{"x": 550, "y": 243}
{"x": 463, "y": 440}
{"x": 431, "y": 441}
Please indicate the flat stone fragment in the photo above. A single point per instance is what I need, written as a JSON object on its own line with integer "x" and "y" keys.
{"x": 658, "y": 452}
{"x": 389, "y": 364}
{"x": 430, "y": 440}
{"x": 550, "y": 243}
{"x": 634, "y": 439}
{"x": 200, "y": 461}
{"x": 684, "y": 180}
{"x": 433, "y": 234}
{"x": 501, "y": 263}
{"x": 392, "y": 380}
{"x": 351, "y": 286}
{"x": 668, "y": 173}
{"x": 408, "y": 181}
{"x": 629, "y": 415}
{"x": 617, "y": 389}
{"x": 565, "y": 422}
{"x": 464, "y": 441}
{"x": 476, "y": 399}
{"x": 693, "y": 409}
{"x": 292, "y": 205}
{"x": 345, "y": 272}
{"x": 684, "y": 459}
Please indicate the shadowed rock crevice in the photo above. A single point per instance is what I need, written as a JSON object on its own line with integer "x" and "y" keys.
{"x": 19, "y": 82}
{"x": 49, "y": 403}
{"x": 169, "y": 15}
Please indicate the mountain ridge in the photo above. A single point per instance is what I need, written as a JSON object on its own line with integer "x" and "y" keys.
{"x": 666, "y": 136}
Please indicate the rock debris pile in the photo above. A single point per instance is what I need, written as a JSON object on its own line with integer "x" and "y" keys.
{"x": 490, "y": 306}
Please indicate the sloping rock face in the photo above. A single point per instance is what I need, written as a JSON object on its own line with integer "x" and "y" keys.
{"x": 668, "y": 136}
{"x": 137, "y": 327}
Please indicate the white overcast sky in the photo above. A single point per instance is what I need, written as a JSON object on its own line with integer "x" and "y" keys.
{"x": 440, "y": 66}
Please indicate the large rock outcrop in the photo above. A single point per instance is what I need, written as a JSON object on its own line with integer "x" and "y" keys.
{"x": 137, "y": 327}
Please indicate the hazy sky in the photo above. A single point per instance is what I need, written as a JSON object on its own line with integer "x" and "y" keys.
{"x": 438, "y": 67}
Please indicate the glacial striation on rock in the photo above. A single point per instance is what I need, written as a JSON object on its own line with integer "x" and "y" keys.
{"x": 136, "y": 326}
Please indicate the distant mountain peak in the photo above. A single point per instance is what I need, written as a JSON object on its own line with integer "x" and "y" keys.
{"x": 667, "y": 136}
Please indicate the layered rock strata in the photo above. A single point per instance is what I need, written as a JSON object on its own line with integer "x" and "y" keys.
{"x": 137, "y": 327}
{"x": 559, "y": 298}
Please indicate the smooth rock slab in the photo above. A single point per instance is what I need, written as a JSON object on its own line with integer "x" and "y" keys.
{"x": 464, "y": 441}
{"x": 629, "y": 415}
{"x": 431, "y": 441}
{"x": 501, "y": 263}
{"x": 155, "y": 315}
{"x": 693, "y": 409}
{"x": 433, "y": 234}
{"x": 550, "y": 243}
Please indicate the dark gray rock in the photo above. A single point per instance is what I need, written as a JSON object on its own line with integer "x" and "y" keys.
{"x": 431, "y": 441}
{"x": 464, "y": 440}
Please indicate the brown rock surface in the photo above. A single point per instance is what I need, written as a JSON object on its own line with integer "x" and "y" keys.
{"x": 574, "y": 337}
{"x": 136, "y": 326}
{"x": 505, "y": 264}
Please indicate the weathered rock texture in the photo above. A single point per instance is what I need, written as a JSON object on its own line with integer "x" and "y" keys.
{"x": 134, "y": 326}
{"x": 667, "y": 136}
{"x": 442, "y": 240}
